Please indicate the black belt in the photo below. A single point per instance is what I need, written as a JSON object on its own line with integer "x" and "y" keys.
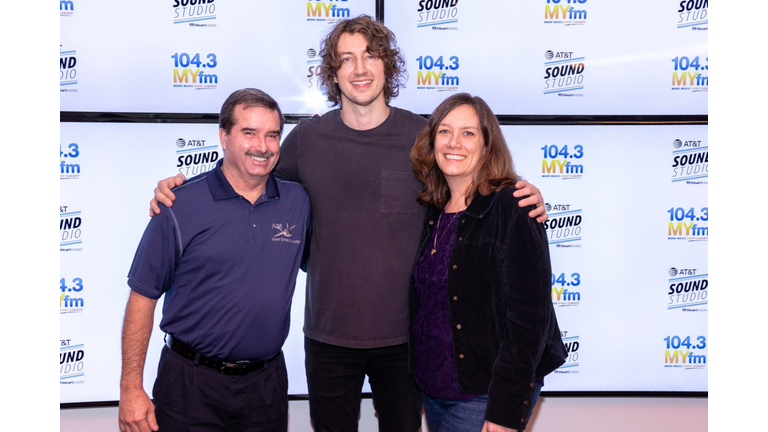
{"x": 238, "y": 368}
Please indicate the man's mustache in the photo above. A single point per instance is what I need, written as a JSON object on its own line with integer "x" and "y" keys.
{"x": 260, "y": 154}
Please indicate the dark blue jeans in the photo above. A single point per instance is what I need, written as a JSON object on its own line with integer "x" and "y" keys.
{"x": 468, "y": 415}
{"x": 335, "y": 378}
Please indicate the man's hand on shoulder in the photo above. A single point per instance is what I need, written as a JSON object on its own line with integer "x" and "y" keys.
{"x": 533, "y": 197}
{"x": 163, "y": 193}
{"x": 136, "y": 412}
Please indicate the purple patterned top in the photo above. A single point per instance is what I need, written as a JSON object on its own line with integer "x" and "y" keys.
{"x": 435, "y": 368}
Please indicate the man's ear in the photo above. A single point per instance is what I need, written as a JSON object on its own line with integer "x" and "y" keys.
{"x": 223, "y": 139}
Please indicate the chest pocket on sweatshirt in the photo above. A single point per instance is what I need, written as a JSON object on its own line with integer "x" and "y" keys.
{"x": 399, "y": 191}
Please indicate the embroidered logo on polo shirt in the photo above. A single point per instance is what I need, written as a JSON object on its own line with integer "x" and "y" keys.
{"x": 284, "y": 234}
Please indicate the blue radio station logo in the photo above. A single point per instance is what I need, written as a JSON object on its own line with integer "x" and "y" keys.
{"x": 690, "y": 74}
{"x": 70, "y": 301}
{"x": 438, "y": 73}
{"x": 71, "y": 363}
{"x": 69, "y": 165}
{"x": 572, "y": 345}
{"x": 193, "y": 12}
{"x": 690, "y": 162}
{"x": 565, "y": 12}
{"x": 685, "y": 352}
{"x": 195, "y": 157}
{"x": 561, "y": 163}
{"x": 67, "y": 70}
{"x": 687, "y": 290}
{"x": 565, "y": 290}
{"x": 438, "y": 14}
{"x": 564, "y": 73}
{"x": 70, "y": 230}
{"x": 692, "y": 14}
{"x": 564, "y": 225}
{"x": 688, "y": 223}
{"x": 195, "y": 71}
{"x": 329, "y": 11}
{"x": 66, "y": 8}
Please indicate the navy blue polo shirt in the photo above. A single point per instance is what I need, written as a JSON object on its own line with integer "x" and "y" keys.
{"x": 227, "y": 267}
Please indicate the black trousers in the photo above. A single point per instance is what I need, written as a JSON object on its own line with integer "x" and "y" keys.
{"x": 335, "y": 377}
{"x": 191, "y": 397}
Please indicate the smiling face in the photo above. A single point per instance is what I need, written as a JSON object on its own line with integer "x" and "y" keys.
{"x": 459, "y": 147}
{"x": 361, "y": 75}
{"x": 252, "y": 147}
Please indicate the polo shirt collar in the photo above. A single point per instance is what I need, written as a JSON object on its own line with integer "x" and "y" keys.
{"x": 221, "y": 189}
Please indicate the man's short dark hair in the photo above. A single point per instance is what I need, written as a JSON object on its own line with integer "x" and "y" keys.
{"x": 381, "y": 43}
{"x": 249, "y": 98}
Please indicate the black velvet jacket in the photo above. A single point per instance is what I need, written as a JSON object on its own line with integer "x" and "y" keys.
{"x": 504, "y": 329}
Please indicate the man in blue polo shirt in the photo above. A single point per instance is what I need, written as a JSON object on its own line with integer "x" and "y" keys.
{"x": 226, "y": 257}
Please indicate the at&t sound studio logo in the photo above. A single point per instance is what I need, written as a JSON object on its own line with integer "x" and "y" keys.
{"x": 329, "y": 11}
{"x": 192, "y": 12}
{"x": 70, "y": 230}
{"x": 314, "y": 70}
{"x": 561, "y": 163}
{"x": 572, "y": 345}
{"x": 688, "y": 224}
{"x": 564, "y": 73}
{"x": 565, "y": 12}
{"x": 564, "y": 225}
{"x": 692, "y": 14}
{"x": 67, "y": 71}
{"x": 71, "y": 363}
{"x": 195, "y": 71}
{"x": 685, "y": 352}
{"x": 69, "y": 299}
{"x": 687, "y": 290}
{"x": 690, "y": 162}
{"x": 66, "y": 8}
{"x": 438, "y": 14}
{"x": 195, "y": 157}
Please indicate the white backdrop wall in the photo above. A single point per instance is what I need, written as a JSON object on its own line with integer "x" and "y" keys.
{"x": 629, "y": 263}
{"x": 525, "y": 57}
{"x": 628, "y": 204}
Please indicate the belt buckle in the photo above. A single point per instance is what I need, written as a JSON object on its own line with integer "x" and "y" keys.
{"x": 231, "y": 365}
{"x": 235, "y": 368}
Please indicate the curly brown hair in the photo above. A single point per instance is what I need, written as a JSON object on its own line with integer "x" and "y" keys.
{"x": 495, "y": 170}
{"x": 381, "y": 43}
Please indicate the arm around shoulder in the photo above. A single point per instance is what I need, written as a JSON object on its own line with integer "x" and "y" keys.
{"x": 531, "y": 197}
{"x": 163, "y": 193}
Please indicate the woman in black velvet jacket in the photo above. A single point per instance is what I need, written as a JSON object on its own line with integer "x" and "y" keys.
{"x": 483, "y": 330}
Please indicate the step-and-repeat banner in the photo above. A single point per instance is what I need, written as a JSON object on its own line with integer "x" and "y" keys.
{"x": 628, "y": 232}
{"x": 524, "y": 57}
{"x": 628, "y": 208}
{"x": 556, "y": 56}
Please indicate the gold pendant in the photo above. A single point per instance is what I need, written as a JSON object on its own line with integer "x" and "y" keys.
{"x": 433, "y": 251}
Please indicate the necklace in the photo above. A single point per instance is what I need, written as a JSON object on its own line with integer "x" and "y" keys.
{"x": 437, "y": 229}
